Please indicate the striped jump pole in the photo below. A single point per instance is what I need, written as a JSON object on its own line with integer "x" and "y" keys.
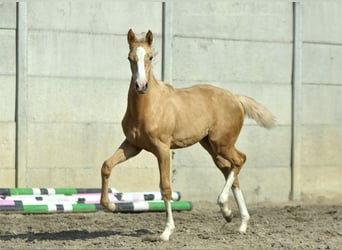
{"x": 46, "y": 200}
{"x": 91, "y": 198}
{"x": 50, "y": 191}
{"x": 143, "y": 206}
{"x": 137, "y": 206}
{"x": 88, "y": 195}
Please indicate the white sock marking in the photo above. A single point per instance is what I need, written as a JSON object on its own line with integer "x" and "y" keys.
{"x": 223, "y": 197}
{"x": 242, "y": 208}
{"x": 170, "y": 225}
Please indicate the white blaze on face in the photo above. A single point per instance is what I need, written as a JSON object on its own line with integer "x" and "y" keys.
{"x": 141, "y": 75}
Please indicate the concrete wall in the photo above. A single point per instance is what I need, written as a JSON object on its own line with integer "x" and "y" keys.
{"x": 78, "y": 76}
{"x": 321, "y": 172}
{"x": 7, "y": 92}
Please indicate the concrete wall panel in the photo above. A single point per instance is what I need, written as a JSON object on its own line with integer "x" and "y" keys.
{"x": 7, "y": 93}
{"x": 323, "y": 182}
{"x": 7, "y": 177}
{"x": 236, "y": 20}
{"x": 231, "y": 61}
{"x": 7, "y": 98}
{"x": 322, "y": 21}
{"x": 108, "y": 17}
{"x": 123, "y": 179}
{"x": 322, "y": 104}
{"x": 77, "y": 99}
{"x": 7, "y": 52}
{"x": 322, "y": 64}
{"x": 7, "y": 145}
{"x": 266, "y": 184}
{"x": 8, "y": 15}
{"x": 7, "y": 154}
{"x": 80, "y": 55}
{"x": 322, "y": 145}
{"x": 63, "y": 177}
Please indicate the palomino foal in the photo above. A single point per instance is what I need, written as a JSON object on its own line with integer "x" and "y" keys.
{"x": 159, "y": 118}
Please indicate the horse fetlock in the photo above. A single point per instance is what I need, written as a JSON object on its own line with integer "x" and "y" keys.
{"x": 105, "y": 170}
{"x": 104, "y": 201}
{"x": 222, "y": 200}
{"x": 245, "y": 218}
{"x": 109, "y": 205}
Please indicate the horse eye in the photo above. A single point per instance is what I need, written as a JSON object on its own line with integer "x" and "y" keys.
{"x": 151, "y": 57}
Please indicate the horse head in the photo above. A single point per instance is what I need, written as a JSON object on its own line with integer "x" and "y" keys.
{"x": 140, "y": 57}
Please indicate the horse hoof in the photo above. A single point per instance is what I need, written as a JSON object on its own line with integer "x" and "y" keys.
{"x": 243, "y": 228}
{"x": 111, "y": 207}
{"x": 164, "y": 237}
{"x": 228, "y": 218}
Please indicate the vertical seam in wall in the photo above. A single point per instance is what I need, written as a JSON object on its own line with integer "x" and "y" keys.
{"x": 167, "y": 8}
{"x": 21, "y": 94}
{"x": 16, "y": 93}
{"x": 296, "y": 102}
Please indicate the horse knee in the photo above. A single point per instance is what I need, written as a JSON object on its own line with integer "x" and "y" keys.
{"x": 166, "y": 193}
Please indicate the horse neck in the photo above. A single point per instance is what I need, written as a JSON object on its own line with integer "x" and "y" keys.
{"x": 139, "y": 104}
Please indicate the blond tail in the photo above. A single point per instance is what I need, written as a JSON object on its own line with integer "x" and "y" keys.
{"x": 257, "y": 112}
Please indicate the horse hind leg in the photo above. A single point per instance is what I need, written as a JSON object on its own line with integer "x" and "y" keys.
{"x": 230, "y": 166}
{"x": 225, "y": 166}
{"x": 222, "y": 199}
{"x": 238, "y": 194}
{"x": 240, "y": 201}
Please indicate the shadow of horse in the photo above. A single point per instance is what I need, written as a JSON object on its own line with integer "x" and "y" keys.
{"x": 74, "y": 235}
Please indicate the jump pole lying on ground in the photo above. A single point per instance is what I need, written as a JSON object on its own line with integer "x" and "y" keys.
{"x": 137, "y": 206}
{"x": 92, "y": 198}
{"x": 46, "y": 200}
{"x": 129, "y": 196}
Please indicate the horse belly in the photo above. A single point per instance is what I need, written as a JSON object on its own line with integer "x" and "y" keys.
{"x": 187, "y": 137}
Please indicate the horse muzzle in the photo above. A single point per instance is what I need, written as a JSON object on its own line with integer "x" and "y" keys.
{"x": 141, "y": 87}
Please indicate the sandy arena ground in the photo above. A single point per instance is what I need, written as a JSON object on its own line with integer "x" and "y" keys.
{"x": 281, "y": 226}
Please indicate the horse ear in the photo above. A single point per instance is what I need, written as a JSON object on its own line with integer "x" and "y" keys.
{"x": 131, "y": 37}
{"x": 149, "y": 37}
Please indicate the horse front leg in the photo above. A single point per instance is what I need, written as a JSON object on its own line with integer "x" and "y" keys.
{"x": 165, "y": 188}
{"x": 123, "y": 153}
